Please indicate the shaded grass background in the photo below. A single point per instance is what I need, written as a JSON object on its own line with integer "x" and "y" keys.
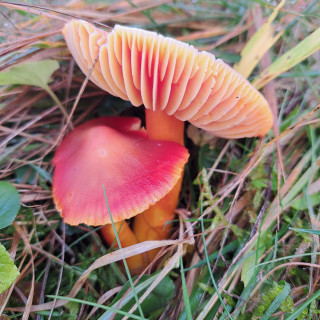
{"x": 249, "y": 211}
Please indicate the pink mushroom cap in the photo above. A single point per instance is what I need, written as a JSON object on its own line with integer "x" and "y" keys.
{"x": 114, "y": 153}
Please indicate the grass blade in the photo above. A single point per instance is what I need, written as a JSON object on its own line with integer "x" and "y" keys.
{"x": 209, "y": 267}
{"x": 124, "y": 260}
{"x": 133, "y": 316}
{"x": 288, "y": 60}
{"x": 259, "y": 44}
{"x": 185, "y": 292}
{"x": 140, "y": 287}
{"x": 295, "y": 314}
{"x": 316, "y": 232}
{"x": 276, "y": 303}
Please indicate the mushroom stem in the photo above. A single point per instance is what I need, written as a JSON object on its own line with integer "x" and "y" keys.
{"x": 160, "y": 126}
{"x": 151, "y": 224}
{"x": 127, "y": 238}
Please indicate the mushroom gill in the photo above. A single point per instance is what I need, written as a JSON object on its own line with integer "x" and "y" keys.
{"x": 167, "y": 75}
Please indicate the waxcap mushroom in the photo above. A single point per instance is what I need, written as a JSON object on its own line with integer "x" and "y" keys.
{"x": 115, "y": 153}
{"x": 165, "y": 74}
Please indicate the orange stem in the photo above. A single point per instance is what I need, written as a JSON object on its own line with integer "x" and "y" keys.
{"x": 149, "y": 225}
{"x": 127, "y": 238}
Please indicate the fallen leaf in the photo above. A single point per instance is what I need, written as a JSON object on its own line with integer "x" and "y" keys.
{"x": 9, "y": 203}
{"x": 32, "y": 73}
{"x": 8, "y": 270}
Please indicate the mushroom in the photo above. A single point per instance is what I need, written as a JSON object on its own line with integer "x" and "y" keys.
{"x": 176, "y": 83}
{"x": 114, "y": 153}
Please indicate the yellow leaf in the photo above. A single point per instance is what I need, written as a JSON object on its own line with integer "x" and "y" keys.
{"x": 259, "y": 44}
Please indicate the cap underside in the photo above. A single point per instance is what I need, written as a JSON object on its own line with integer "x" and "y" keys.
{"x": 165, "y": 74}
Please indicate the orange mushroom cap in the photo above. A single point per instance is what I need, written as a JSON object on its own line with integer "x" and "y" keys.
{"x": 165, "y": 74}
{"x": 113, "y": 152}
